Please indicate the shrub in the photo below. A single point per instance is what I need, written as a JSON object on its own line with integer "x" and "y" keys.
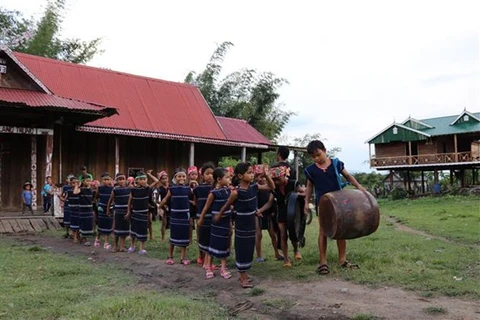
{"x": 398, "y": 194}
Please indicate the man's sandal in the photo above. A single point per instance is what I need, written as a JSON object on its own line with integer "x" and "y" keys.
{"x": 348, "y": 265}
{"x": 323, "y": 269}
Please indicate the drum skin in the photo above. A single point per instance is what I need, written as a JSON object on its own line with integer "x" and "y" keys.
{"x": 348, "y": 214}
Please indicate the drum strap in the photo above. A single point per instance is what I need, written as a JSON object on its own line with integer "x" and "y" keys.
{"x": 341, "y": 184}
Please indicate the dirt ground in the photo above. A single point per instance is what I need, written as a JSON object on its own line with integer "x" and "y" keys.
{"x": 327, "y": 298}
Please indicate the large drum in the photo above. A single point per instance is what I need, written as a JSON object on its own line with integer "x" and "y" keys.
{"x": 295, "y": 218}
{"x": 348, "y": 214}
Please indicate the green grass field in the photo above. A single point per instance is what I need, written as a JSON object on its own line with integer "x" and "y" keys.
{"x": 455, "y": 218}
{"x": 390, "y": 257}
{"x": 36, "y": 284}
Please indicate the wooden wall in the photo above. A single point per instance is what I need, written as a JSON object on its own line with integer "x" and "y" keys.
{"x": 390, "y": 150}
{"x": 427, "y": 148}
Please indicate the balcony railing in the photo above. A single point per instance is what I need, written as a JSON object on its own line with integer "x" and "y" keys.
{"x": 422, "y": 159}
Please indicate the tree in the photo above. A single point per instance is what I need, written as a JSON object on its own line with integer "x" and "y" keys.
{"x": 41, "y": 37}
{"x": 245, "y": 94}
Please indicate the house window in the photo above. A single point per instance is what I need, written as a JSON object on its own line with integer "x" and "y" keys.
{"x": 465, "y": 117}
{"x": 395, "y": 130}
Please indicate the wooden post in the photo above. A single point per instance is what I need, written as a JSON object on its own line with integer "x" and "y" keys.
{"x": 295, "y": 163}
{"x": 48, "y": 154}
{"x": 259, "y": 158}
{"x": 435, "y": 176}
{"x": 191, "y": 160}
{"x": 244, "y": 154}
{"x": 423, "y": 182}
{"x": 451, "y": 177}
{"x": 60, "y": 165}
{"x": 409, "y": 153}
{"x": 117, "y": 155}
{"x": 369, "y": 155}
{"x": 455, "y": 147}
{"x": 33, "y": 170}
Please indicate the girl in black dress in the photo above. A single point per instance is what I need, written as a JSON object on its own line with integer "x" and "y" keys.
{"x": 119, "y": 197}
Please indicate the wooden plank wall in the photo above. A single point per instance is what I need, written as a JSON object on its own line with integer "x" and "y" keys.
{"x": 390, "y": 150}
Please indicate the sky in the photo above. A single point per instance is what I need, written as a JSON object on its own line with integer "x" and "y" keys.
{"x": 353, "y": 67}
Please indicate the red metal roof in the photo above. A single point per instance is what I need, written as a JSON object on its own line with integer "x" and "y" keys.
{"x": 240, "y": 130}
{"x": 44, "y": 100}
{"x": 144, "y": 104}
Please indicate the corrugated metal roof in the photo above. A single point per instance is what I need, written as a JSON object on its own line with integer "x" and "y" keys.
{"x": 241, "y": 130}
{"x": 44, "y": 100}
{"x": 442, "y": 125}
{"x": 144, "y": 104}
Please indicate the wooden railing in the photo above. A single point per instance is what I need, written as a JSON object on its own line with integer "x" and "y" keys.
{"x": 422, "y": 159}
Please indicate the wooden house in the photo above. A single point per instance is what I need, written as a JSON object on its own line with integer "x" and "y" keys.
{"x": 56, "y": 117}
{"x": 434, "y": 144}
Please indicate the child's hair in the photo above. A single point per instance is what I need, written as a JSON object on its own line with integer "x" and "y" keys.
{"x": 118, "y": 175}
{"x": 314, "y": 145}
{"x": 283, "y": 152}
{"x": 105, "y": 175}
{"x": 180, "y": 169}
{"x": 140, "y": 174}
{"x": 48, "y": 177}
{"x": 242, "y": 168}
{"x": 218, "y": 173}
{"x": 207, "y": 165}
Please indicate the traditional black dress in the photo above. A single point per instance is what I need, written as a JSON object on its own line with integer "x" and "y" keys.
{"x": 220, "y": 230}
{"x": 85, "y": 208}
{"x": 74, "y": 210}
{"x": 66, "y": 207}
{"x": 105, "y": 223}
{"x": 246, "y": 207}
{"x": 140, "y": 211}
{"x": 121, "y": 196}
{"x": 180, "y": 215}
{"x": 201, "y": 194}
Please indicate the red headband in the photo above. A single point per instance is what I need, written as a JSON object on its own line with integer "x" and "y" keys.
{"x": 162, "y": 173}
{"x": 192, "y": 169}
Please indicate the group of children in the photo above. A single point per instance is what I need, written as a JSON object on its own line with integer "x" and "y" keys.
{"x": 242, "y": 201}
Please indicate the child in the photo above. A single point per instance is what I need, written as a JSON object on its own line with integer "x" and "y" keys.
{"x": 120, "y": 196}
{"x": 200, "y": 197}
{"x": 152, "y": 210}
{"x": 138, "y": 205}
{"x": 162, "y": 193}
{"x": 244, "y": 199}
{"x": 220, "y": 230}
{"x": 322, "y": 176}
{"x": 192, "y": 172}
{"x": 179, "y": 192}
{"x": 73, "y": 204}
{"x": 47, "y": 193}
{"x": 66, "y": 208}
{"x": 27, "y": 196}
{"x": 283, "y": 187}
{"x": 105, "y": 220}
{"x": 265, "y": 203}
{"x": 85, "y": 208}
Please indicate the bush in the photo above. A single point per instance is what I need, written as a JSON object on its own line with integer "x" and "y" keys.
{"x": 398, "y": 194}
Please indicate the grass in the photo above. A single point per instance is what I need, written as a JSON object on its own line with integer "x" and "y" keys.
{"x": 435, "y": 310}
{"x": 453, "y": 217}
{"x": 37, "y": 284}
{"x": 388, "y": 257}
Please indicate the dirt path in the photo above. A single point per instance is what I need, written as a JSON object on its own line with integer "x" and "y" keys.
{"x": 401, "y": 227}
{"x": 327, "y": 298}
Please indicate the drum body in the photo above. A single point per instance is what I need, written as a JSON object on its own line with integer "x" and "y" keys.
{"x": 348, "y": 214}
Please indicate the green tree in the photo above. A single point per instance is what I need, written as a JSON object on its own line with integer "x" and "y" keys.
{"x": 245, "y": 94}
{"x": 41, "y": 37}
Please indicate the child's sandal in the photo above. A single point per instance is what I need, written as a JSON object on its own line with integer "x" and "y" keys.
{"x": 323, "y": 269}
{"x": 185, "y": 262}
{"x": 348, "y": 265}
{"x": 209, "y": 274}
{"x": 170, "y": 261}
{"x": 225, "y": 274}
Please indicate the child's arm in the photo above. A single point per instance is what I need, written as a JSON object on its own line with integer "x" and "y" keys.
{"x": 76, "y": 188}
{"x": 352, "y": 180}
{"x": 23, "y": 197}
{"x": 266, "y": 206}
{"x": 110, "y": 201}
{"x": 207, "y": 206}
{"x": 230, "y": 201}
{"x": 270, "y": 184}
{"x": 151, "y": 176}
{"x": 129, "y": 207}
{"x": 308, "y": 196}
{"x": 165, "y": 200}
